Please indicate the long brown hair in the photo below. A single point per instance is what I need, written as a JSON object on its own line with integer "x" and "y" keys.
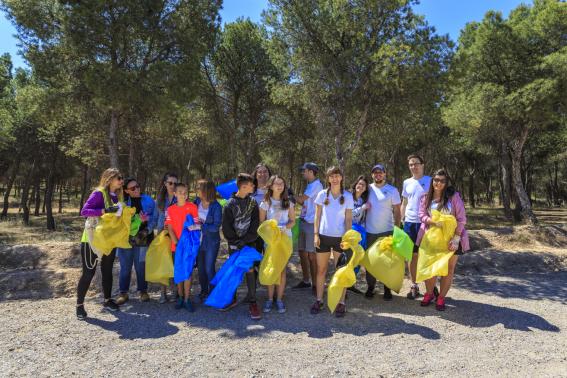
{"x": 106, "y": 178}
{"x": 207, "y": 187}
{"x": 270, "y": 192}
{"x": 364, "y": 195}
{"x": 448, "y": 191}
{"x": 335, "y": 171}
{"x": 162, "y": 192}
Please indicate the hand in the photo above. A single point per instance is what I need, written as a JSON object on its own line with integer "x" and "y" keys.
{"x": 367, "y": 206}
{"x": 316, "y": 240}
{"x": 120, "y": 208}
{"x": 144, "y": 217}
{"x": 111, "y": 209}
{"x": 454, "y": 243}
{"x": 194, "y": 227}
{"x": 437, "y": 224}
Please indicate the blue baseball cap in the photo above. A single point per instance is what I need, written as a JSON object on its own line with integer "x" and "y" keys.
{"x": 378, "y": 166}
{"x": 311, "y": 166}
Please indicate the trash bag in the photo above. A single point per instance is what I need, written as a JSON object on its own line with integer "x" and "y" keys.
{"x": 112, "y": 231}
{"x": 135, "y": 225}
{"x": 225, "y": 190}
{"x": 384, "y": 264}
{"x": 402, "y": 244}
{"x": 278, "y": 251}
{"x": 362, "y": 231}
{"x": 230, "y": 275}
{"x": 159, "y": 264}
{"x": 434, "y": 254}
{"x": 222, "y": 202}
{"x": 186, "y": 252}
{"x": 345, "y": 276}
{"x": 295, "y": 233}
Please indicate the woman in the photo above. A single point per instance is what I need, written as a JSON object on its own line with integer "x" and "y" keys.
{"x": 359, "y": 192}
{"x": 165, "y": 198}
{"x": 106, "y": 198}
{"x": 261, "y": 174}
{"x": 333, "y": 217}
{"x": 210, "y": 218}
{"x": 139, "y": 241}
{"x": 443, "y": 197}
{"x": 277, "y": 205}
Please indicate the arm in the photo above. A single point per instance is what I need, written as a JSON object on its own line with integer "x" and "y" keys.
{"x": 301, "y": 199}
{"x": 318, "y": 210}
{"x": 94, "y": 207}
{"x": 403, "y": 208}
{"x": 348, "y": 219}
{"x": 423, "y": 214}
{"x": 397, "y": 215}
{"x": 263, "y": 215}
{"x": 228, "y": 227}
{"x": 172, "y": 235}
{"x": 460, "y": 214}
{"x": 291, "y": 216}
{"x": 252, "y": 234}
{"x": 152, "y": 217}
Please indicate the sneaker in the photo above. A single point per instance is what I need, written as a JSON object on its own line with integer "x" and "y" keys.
{"x": 440, "y": 305}
{"x": 203, "y": 297}
{"x": 427, "y": 299}
{"x": 435, "y": 291}
{"x": 414, "y": 292}
{"x": 81, "y": 313}
{"x": 163, "y": 298}
{"x": 188, "y": 305}
{"x": 353, "y": 289}
{"x": 302, "y": 285}
{"x": 280, "y": 306}
{"x": 316, "y": 308}
{"x": 179, "y": 303}
{"x": 369, "y": 293}
{"x": 387, "y": 294}
{"x": 229, "y": 306}
{"x": 268, "y": 306}
{"x": 340, "y": 311}
{"x": 122, "y": 298}
{"x": 144, "y": 297}
{"x": 110, "y": 305}
{"x": 254, "y": 311}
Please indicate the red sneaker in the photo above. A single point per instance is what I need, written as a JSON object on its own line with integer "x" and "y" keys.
{"x": 254, "y": 311}
{"x": 427, "y": 299}
{"x": 440, "y": 305}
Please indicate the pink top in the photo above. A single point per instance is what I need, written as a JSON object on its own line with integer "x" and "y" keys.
{"x": 457, "y": 210}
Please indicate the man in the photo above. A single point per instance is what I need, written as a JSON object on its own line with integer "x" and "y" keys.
{"x": 306, "y": 246}
{"x": 414, "y": 188}
{"x": 383, "y": 214}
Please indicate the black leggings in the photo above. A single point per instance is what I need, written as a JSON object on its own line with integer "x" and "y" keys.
{"x": 89, "y": 262}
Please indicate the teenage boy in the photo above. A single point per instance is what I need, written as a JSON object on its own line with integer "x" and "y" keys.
{"x": 240, "y": 221}
{"x": 306, "y": 246}
{"x": 414, "y": 188}
{"x": 383, "y": 214}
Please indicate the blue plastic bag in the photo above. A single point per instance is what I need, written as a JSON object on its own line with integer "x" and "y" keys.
{"x": 362, "y": 231}
{"x": 186, "y": 252}
{"x": 227, "y": 189}
{"x": 229, "y": 277}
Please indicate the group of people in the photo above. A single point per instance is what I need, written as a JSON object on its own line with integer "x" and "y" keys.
{"x": 328, "y": 211}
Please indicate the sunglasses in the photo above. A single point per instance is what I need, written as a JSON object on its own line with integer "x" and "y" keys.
{"x": 439, "y": 181}
{"x": 120, "y": 178}
{"x": 134, "y": 187}
{"x": 170, "y": 183}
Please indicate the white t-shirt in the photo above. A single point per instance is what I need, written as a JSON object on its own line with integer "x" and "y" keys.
{"x": 413, "y": 190}
{"x": 447, "y": 210}
{"x": 259, "y": 195}
{"x": 275, "y": 211}
{"x": 203, "y": 212}
{"x": 380, "y": 217}
{"x": 333, "y": 215}
{"x": 308, "y": 208}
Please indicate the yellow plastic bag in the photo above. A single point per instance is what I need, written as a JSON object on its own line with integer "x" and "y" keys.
{"x": 278, "y": 251}
{"x": 345, "y": 276}
{"x": 384, "y": 264}
{"x": 112, "y": 231}
{"x": 159, "y": 262}
{"x": 434, "y": 254}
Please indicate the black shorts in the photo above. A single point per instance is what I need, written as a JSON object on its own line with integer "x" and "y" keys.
{"x": 326, "y": 243}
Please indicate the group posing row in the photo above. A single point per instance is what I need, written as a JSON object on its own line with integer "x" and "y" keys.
{"x": 326, "y": 214}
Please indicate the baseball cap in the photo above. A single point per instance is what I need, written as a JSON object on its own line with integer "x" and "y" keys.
{"x": 378, "y": 166}
{"x": 311, "y": 166}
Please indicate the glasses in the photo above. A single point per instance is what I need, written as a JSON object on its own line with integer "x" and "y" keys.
{"x": 120, "y": 178}
{"x": 439, "y": 181}
{"x": 414, "y": 165}
{"x": 170, "y": 183}
{"x": 135, "y": 187}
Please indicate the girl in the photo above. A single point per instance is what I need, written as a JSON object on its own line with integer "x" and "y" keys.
{"x": 261, "y": 174}
{"x": 359, "y": 192}
{"x": 165, "y": 198}
{"x": 210, "y": 218}
{"x": 136, "y": 255}
{"x": 106, "y": 198}
{"x": 277, "y": 205}
{"x": 443, "y": 197}
{"x": 333, "y": 217}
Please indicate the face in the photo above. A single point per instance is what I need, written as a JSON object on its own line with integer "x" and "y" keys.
{"x": 278, "y": 186}
{"x": 116, "y": 182}
{"x": 133, "y": 189}
{"x": 439, "y": 183}
{"x": 170, "y": 184}
{"x": 335, "y": 179}
{"x": 379, "y": 176}
{"x": 181, "y": 192}
{"x": 415, "y": 167}
{"x": 308, "y": 174}
{"x": 360, "y": 186}
{"x": 262, "y": 174}
{"x": 246, "y": 188}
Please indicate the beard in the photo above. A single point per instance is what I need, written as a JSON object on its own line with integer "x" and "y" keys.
{"x": 379, "y": 181}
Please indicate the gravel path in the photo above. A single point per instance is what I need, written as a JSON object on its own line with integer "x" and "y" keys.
{"x": 494, "y": 325}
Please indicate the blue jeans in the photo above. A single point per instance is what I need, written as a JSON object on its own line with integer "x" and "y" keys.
{"x": 206, "y": 259}
{"x": 134, "y": 256}
{"x": 412, "y": 229}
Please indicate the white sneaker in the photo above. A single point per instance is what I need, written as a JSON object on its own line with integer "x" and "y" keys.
{"x": 163, "y": 298}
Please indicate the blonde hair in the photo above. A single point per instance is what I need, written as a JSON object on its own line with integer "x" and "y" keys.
{"x": 106, "y": 178}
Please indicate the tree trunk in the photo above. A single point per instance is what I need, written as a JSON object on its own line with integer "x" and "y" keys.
{"x": 113, "y": 139}
{"x": 84, "y": 187}
{"x": 516, "y": 148}
{"x": 25, "y": 195}
{"x": 9, "y": 185}
{"x": 60, "y": 207}
{"x": 505, "y": 180}
{"x": 49, "y": 193}
{"x": 37, "y": 193}
{"x": 471, "y": 191}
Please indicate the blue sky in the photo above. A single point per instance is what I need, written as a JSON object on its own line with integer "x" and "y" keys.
{"x": 448, "y": 17}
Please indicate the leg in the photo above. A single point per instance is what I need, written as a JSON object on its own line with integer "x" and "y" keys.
{"x": 430, "y": 284}
{"x": 140, "y": 266}
{"x": 126, "y": 259}
{"x": 322, "y": 263}
{"x": 305, "y": 266}
{"x": 270, "y": 292}
{"x": 106, "y": 264}
{"x": 447, "y": 281}
{"x": 412, "y": 267}
{"x": 370, "y": 280}
{"x": 281, "y": 286}
{"x": 201, "y": 269}
{"x": 312, "y": 257}
{"x": 88, "y": 262}
{"x": 187, "y": 288}
{"x": 210, "y": 263}
{"x": 251, "y": 284}
{"x": 180, "y": 290}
